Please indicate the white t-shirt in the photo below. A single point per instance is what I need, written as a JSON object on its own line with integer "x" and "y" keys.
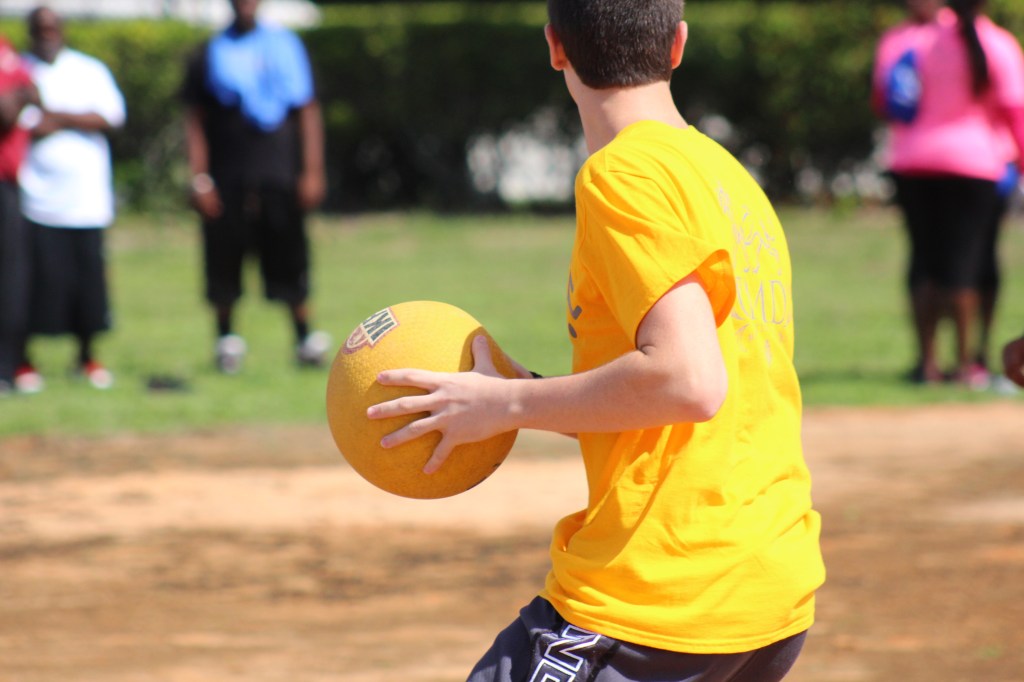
{"x": 66, "y": 179}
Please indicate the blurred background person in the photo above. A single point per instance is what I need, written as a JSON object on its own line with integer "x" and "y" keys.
{"x": 990, "y": 278}
{"x": 67, "y": 195}
{"x": 895, "y": 97}
{"x": 16, "y": 91}
{"x": 946, "y": 158}
{"x": 254, "y": 138}
{"x": 1013, "y": 361}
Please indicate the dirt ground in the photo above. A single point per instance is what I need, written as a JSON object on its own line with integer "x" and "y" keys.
{"x": 257, "y": 555}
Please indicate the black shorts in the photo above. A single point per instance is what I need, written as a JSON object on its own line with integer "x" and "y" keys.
{"x": 949, "y": 221}
{"x": 69, "y": 282}
{"x": 268, "y": 223}
{"x": 540, "y": 645}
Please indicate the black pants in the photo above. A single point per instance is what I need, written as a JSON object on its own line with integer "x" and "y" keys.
{"x": 15, "y": 278}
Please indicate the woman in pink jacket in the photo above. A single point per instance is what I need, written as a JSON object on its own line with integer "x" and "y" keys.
{"x": 946, "y": 158}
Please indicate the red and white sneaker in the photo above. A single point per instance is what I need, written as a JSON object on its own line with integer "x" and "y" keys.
{"x": 98, "y": 376}
{"x": 28, "y": 380}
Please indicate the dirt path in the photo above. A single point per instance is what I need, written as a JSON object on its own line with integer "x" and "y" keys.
{"x": 257, "y": 555}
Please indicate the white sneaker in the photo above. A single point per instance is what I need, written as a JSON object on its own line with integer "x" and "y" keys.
{"x": 1003, "y": 385}
{"x": 229, "y": 354}
{"x": 312, "y": 352}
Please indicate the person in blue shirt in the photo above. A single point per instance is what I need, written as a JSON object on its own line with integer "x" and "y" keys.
{"x": 254, "y": 137}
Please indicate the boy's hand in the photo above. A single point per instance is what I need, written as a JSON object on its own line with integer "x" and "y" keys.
{"x": 465, "y": 407}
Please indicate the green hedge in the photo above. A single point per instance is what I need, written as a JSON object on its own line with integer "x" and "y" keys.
{"x": 405, "y": 86}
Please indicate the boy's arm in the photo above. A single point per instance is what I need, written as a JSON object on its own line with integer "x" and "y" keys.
{"x": 676, "y": 374}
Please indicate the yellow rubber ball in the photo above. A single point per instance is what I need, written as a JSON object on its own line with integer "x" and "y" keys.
{"x": 415, "y": 334}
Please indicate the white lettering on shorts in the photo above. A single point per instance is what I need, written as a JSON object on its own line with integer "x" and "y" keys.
{"x": 563, "y": 659}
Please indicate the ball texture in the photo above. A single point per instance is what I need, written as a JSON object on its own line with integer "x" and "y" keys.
{"x": 415, "y": 334}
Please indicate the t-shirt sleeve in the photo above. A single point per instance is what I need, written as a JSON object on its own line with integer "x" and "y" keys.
{"x": 882, "y": 61}
{"x": 306, "y": 85}
{"x": 885, "y": 56}
{"x": 639, "y": 246}
{"x": 1007, "y": 69}
{"x": 108, "y": 97}
{"x": 13, "y": 74}
{"x": 193, "y": 90}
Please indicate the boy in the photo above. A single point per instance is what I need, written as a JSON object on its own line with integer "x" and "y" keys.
{"x": 697, "y": 556}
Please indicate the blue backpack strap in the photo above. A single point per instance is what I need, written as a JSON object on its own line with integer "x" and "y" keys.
{"x": 903, "y": 88}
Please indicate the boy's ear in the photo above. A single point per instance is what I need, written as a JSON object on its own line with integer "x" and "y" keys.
{"x": 556, "y": 51}
{"x": 679, "y": 43}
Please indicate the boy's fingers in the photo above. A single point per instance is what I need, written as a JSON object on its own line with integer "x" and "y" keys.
{"x": 399, "y": 407}
{"x": 483, "y": 362}
{"x": 439, "y": 457}
{"x": 417, "y": 378}
{"x": 410, "y": 431}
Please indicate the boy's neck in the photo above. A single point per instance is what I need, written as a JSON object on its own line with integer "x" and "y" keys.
{"x": 605, "y": 113}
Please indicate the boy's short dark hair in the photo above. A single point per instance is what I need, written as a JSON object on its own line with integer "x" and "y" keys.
{"x": 617, "y": 43}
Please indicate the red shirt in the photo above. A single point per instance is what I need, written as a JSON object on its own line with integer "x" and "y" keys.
{"x": 14, "y": 142}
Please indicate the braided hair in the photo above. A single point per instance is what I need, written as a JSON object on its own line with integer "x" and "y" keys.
{"x": 966, "y": 12}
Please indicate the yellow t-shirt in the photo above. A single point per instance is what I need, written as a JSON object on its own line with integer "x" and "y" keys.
{"x": 697, "y": 538}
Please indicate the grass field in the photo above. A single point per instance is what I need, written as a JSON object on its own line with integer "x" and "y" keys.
{"x": 853, "y": 341}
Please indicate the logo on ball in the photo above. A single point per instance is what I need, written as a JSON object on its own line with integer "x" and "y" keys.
{"x": 371, "y": 330}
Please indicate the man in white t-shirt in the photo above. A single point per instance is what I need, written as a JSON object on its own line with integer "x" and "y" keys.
{"x": 67, "y": 193}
